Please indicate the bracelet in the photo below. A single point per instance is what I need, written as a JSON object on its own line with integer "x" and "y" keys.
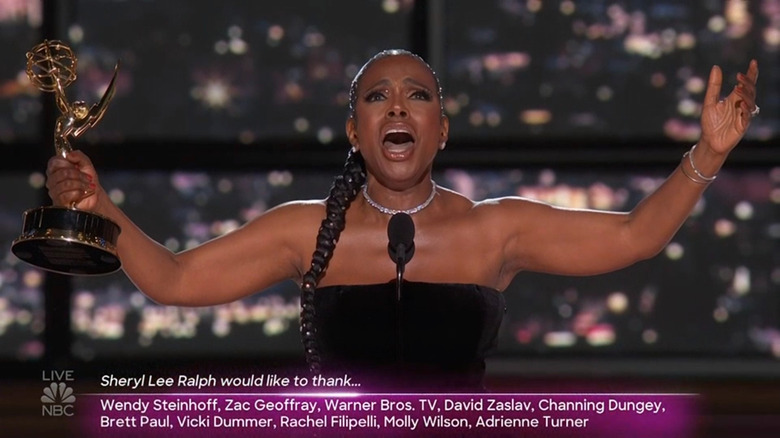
{"x": 707, "y": 179}
{"x": 690, "y": 177}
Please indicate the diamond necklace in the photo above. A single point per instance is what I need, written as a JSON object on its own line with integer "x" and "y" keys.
{"x": 391, "y": 211}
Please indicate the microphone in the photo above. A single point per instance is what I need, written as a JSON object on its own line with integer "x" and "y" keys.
{"x": 400, "y": 232}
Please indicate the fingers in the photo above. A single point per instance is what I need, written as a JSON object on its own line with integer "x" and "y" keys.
{"x": 752, "y": 72}
{"x": 75, "y": 159}
{"x": 68, "y": 185}
{"x": 80, "y": 159}
{"x": 742, "y": 98}
{"x": 70, "y": 179}
{"x": 745, "y": 91}
{"x": 713, "y": 86}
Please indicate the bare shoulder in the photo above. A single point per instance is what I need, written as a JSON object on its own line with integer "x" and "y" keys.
{"x": 514, "y": 208}
{"x": 488, "y": 228}
{"x": 300, "y": 207}
{"x": 509, "y": 202}
{"x": 294, "y": 215}
{"x": 491, "y": 211}
{"x": 455, "y": 199}
{"x": 507, "y": 219}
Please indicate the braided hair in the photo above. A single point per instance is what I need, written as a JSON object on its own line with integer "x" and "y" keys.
{"x": 343, "y": 191}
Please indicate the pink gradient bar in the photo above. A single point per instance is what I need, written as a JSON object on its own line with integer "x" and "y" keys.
{"x": 388, "y": 415}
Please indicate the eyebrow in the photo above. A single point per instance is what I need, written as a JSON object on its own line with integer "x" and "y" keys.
{"x": 408, "y": 81}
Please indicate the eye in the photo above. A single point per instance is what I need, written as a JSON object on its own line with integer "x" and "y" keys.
{"x": 421, "y": 95}
{"x": 374, "y": 96}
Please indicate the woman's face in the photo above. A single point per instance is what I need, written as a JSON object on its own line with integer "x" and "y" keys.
{"x": 398, "y": 125}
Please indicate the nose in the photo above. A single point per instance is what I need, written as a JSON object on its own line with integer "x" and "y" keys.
{"x": 397, "y": 109}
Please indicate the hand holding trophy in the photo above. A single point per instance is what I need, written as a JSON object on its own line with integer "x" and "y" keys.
{"x": 58, "y": 239}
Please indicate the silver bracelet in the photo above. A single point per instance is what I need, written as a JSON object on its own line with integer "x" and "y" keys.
{"x": 690, "y": 177}
{"x": 707, "y": 179}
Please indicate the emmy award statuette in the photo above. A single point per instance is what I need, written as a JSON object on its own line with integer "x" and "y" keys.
{"x": 61, "y": 239}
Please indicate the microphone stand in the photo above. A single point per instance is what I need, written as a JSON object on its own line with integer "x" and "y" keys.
{"x": 399, "y": 268}
{"x": 400, "y": 233}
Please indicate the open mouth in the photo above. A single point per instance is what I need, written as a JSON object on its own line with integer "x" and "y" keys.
{"x": 398, "y": 140}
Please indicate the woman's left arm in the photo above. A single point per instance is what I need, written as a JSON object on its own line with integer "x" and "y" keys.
{"x": 723, "y": 124}
{"x": 587, "y": 242}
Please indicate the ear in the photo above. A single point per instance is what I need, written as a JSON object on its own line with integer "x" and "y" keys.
{"x": 351, "y": 129}
{"x": 444, "y": 135}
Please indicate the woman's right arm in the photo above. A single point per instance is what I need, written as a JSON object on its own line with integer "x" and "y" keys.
{"x": 261, "y": 253}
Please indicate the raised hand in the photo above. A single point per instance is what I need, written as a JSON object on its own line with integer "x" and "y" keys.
{"x": 725, "y": 121}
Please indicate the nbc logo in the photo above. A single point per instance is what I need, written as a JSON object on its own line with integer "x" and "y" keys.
{"x": 57, "y": 400}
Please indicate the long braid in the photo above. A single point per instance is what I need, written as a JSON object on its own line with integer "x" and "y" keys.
{"x": 343, "y": 191}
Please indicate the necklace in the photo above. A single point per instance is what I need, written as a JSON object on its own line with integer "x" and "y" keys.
{"x": 391, "y": 211}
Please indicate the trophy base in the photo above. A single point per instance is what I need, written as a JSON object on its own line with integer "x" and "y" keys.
{"x": 68, "y": 241}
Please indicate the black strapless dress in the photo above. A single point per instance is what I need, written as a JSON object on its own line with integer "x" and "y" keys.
{"x": 435, "y": 339}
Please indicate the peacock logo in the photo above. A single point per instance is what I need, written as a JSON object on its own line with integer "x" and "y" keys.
{"x": 57, "y": 400}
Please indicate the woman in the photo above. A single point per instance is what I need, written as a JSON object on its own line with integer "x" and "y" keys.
{"x": 447, "y": 319}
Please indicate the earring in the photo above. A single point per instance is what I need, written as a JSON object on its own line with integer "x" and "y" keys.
{"x": 354, "y": 149}
{"x": 442, "y": 145}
